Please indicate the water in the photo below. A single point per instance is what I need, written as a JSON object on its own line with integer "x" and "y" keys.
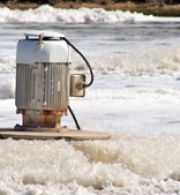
{"x": 135, "y": 97}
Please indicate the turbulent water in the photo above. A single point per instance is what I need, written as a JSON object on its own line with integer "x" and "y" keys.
{"x": 135, "y": 97}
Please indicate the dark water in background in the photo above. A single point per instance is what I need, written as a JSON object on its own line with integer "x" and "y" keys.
{"x": 97, "y": 38}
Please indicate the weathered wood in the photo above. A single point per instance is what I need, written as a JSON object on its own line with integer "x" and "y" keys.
{"x": 68, "y": 134}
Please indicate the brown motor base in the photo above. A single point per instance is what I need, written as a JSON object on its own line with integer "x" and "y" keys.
{"x": 21, "y": 132}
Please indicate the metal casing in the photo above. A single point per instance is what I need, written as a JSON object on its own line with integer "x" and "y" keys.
{"x": 42, "y": 74}
{"x": 42, "y": 86}
{"x": 30, "y": 51}
{"x": 76, "y": 85}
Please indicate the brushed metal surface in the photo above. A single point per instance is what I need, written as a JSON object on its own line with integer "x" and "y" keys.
{"x": 42, "y": 86}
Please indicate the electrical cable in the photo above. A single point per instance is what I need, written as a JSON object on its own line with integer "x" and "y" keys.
{"x": 74, "y": 117}
{"x": 84, "y": 84}
{"x": 87, "y": 63}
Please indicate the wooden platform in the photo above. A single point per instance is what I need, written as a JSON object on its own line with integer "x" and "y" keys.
{"x": 42, "y": 135}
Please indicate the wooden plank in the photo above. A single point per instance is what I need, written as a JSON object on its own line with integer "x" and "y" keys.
{"x": 70, "y": 134}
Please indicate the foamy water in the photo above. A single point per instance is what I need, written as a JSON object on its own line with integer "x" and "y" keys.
{"x": 120, "y": 165}
{"x": 135, "y": 97}
{"x": 48, "y": 14}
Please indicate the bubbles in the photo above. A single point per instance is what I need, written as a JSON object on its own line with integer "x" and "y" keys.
{"x": 7, "y": 86}
{"x": 163, "y": 60}
{"x": 46, "y": 13}
{"x": 7, "y": 64}
{"x": 143, "y": 155}
{"x": 135, "y": 91}
{"x": 160, "y": 60}
{"x": 7, "y": 90}
{"x": 120, "y": 165}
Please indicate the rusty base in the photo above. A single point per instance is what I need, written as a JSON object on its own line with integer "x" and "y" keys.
{"x": 51, "y": 133}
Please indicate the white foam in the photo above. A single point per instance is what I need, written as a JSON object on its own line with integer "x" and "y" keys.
{"x": 161, "y": 62}
{"x": 128, "y": 164}
{"x": 145, "y": 61}
{"x": 46, "y": 13}
{"x": 7, "y": 90}
{"x": 158, "y": 59}
{"x": 7, "y": 86}
{"x": 135, "y": 92}
{"x": 7, "y": 64}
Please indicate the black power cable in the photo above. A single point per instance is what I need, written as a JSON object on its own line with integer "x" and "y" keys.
{"x": 87, "y": 63}
{"x": 74, "y": 117}
{"x": 84, "y": 84}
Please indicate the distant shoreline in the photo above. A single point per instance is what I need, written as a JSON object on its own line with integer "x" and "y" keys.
{"x": 147, "y": 9}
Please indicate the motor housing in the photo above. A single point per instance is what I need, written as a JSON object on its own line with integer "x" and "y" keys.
{"x": 42, "y": 79}
{"x": 43, "y": 87}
